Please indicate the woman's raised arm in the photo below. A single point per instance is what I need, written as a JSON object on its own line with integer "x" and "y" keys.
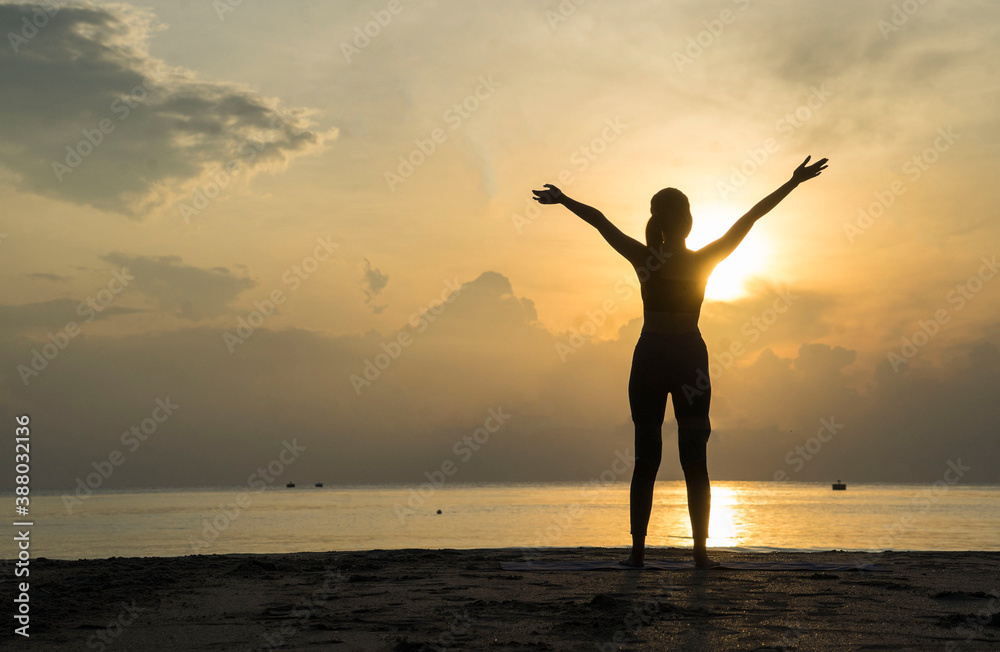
{"x": 630, "y": 248}
{"x": 718, "y": 250}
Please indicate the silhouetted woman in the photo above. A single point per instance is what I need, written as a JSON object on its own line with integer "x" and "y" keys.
{"x": 670, "y": 356}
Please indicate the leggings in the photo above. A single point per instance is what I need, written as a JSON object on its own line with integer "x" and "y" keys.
{"x": 675, "y": 364}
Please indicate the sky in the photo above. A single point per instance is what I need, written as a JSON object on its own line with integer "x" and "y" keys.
{"x": 231, "y": 227}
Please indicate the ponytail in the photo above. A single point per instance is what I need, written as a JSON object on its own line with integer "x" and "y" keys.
{"x": 654, "y": 232}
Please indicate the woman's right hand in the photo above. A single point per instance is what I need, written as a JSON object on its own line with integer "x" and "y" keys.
{"x": 551, "y": 195}
{"x": 805, "y": 172}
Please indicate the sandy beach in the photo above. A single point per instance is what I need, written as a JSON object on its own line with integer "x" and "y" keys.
{"x": 464, "y": 600}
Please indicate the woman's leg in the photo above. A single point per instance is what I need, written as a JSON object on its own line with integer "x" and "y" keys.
{"x": 647, "y": 463}
{"x": 692, "y": 436}
{"x": 692, "y": 400}
{"x": 648, "y": 401}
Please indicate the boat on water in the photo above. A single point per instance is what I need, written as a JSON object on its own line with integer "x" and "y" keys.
{"x": 290, "y": 485}
{"x": 839, "y": 486}
{"x": 319, "y": 484}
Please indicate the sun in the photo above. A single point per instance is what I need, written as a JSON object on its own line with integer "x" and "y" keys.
{"x": 728, "y": 280}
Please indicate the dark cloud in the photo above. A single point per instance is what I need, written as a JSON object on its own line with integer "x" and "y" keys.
{"x": 820, "y": 359}
{"x": 140, "y": 134}
{"x": 182, "y": 290}
{"x": 53, "y": 314}
{"x": 769, "y": 314}
{"x": 479, "y": 347}
{"x": 43, "y": 276}
{"x": 373, "y": 282}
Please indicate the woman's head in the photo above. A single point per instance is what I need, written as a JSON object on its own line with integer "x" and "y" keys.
{"x": 670, "y": 219}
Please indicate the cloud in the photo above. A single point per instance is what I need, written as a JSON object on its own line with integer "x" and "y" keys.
{"x": 373, "y": 282}
{"x": 819, "y": 354}
{"x": 91, "y": 118}
{"x": 821, "y": 359}
{"x": 53, "y": 314}
{"x": 42, "y": 276}
{"x": 182, "y": 290}
{"x": 482, "y": 349}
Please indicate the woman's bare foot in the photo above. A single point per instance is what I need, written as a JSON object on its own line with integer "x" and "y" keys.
{"x": 702, "y": 560}
{"x": 633, "y": 561}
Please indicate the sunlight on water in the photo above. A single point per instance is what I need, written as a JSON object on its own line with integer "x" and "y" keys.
{"x": 745, "y": 515}
{"x": 725, "y": 527}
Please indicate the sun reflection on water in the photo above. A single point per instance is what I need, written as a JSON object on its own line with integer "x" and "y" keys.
{"x": 727, "y": 525}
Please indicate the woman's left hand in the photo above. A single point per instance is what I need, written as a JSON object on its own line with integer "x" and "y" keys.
{"x": 805, "y": 172}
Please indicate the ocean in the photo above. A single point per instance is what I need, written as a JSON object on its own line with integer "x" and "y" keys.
{"x": 749, "y": 516}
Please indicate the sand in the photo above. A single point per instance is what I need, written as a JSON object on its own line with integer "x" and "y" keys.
{"x": 463, "y": 600}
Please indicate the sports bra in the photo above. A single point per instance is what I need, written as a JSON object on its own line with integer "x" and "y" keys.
{"x": 673, "y": 294}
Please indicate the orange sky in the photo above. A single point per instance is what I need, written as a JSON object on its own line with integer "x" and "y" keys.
{"x": 167, "y": 172}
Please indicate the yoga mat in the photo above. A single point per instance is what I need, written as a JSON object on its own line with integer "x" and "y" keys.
{"x": 585, "y": 565}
